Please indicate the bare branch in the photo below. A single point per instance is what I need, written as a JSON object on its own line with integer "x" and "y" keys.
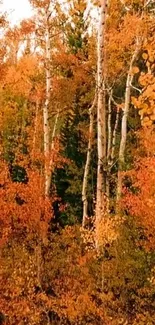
{"x": 139, "y": 90}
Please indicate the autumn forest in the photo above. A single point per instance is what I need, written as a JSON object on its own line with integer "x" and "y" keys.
{"x": 77, "y": 164}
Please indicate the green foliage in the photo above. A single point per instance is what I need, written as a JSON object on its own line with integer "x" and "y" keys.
{"x": 18, "y": 174}
{"x": 76, "y": 29}
{"x": 73, "y": 131}
{"x": 50, "y": 272}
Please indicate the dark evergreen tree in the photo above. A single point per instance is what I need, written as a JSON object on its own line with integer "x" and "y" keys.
{"x": 69, "y": 180}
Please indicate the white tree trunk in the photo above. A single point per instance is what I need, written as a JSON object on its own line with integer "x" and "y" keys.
{"x": 124, "y": 125}
{"x": 88, "y": 162}
{"x": 114, "y": 136}
{"x": 109, "y": 130}
{"x": 46, "y": 108}
{"x": 35, "y": 128}
{"x": 101, "y": 115}
{"x": 51, "y": 160}
{"x": 111, "y": 141}
{"x": 109, "y": 145}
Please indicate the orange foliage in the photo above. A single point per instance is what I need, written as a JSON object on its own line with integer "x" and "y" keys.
{"x": 140, "y": 198}
{"x": 146, "y": 101}
{"x": 19, "y": 79}
{"x": 122, "y": 32}
{"x": 23, "y": 206}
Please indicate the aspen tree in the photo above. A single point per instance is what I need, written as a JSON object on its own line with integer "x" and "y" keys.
{"x": 111, "y": 141}
{"x": 44, "y": 30}
{"x": 88, "y": 162}
{"x": 139, "y": 40}
{"x": 101, "y": 114}
{"x": 122, "y": 147}
{"x": 47, "y": 102}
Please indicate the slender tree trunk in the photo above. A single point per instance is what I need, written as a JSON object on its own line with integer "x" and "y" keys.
{"x": 109, "y": 145}
{"x": 111, "y": 141}
{"x": 35, "y": 128}
{"x": 51, "y": 151}
{"x": 46, "y": 107}
{"x": 88, "y": 162}
{"x": 101, "y": 116}
{"x": 124, "y": 126}
{"x": 54, "y": 129}
{"x": 109, "y": 130}
{"x": 114, "y": 136}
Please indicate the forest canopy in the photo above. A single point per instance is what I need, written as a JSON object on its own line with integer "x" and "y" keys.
{"x": 77, "y": 164}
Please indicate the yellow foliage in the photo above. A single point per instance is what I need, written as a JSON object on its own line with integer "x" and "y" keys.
{"x": 152, "y": 59}
{"x": 141, "y": 112}
{"x": 135, "y": 70}
{"x": 146, "y": 119}
{"x": 147, "y": 123}
{"x": 152, "y": 117}
{"x": 145, "y": 56}
{"x": 149, "y": 111}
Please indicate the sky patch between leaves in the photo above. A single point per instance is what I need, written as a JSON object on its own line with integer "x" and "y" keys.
{"x": 17, "y": 10}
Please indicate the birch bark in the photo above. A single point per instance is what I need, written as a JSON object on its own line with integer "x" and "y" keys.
{"x": 51, "y": 160}
{"x": 46, "y": 105}
{"x": 88, "y": 162}
{"x": 101, "y": 114}
{"x": 111, "y": 146}
{"x": 121, "y": 158}
{"x": 35, "y": 128}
